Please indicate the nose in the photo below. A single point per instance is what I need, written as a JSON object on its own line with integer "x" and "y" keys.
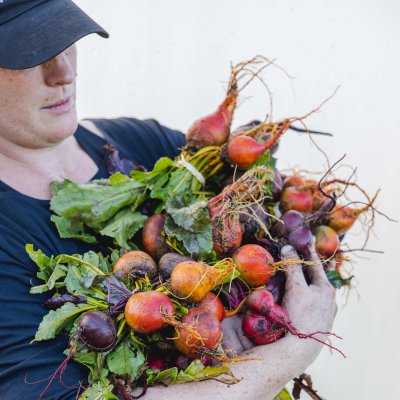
{"x": 60, "y": 70}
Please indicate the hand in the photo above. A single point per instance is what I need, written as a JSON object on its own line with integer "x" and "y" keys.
{"x": 233, "y": 336}
{"x": 311, "y": 308}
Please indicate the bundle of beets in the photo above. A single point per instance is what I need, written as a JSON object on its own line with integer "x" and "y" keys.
{"x": 192, "y": 242}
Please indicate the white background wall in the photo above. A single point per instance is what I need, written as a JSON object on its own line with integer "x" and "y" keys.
{"x": 170, "y": 60}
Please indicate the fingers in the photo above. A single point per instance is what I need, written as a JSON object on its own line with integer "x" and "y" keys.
{"x": 316, "y": 271}
{"x": 233, "y": 338}
{"x": 294, "y": 272}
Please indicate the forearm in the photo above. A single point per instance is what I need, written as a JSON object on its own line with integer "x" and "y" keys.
{"x": 275, "y": 365}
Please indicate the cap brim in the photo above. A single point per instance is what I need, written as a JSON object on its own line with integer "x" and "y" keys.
{"x": 43, "y": 32}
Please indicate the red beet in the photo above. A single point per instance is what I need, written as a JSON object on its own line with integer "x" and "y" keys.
{"x": 293, "y": 180}
{"x": 214, "y": 129}
{"x": 152, "y": 238}
{"x": 213, "y": 303}
{"x": 205, "y": 332}
{"x": 260, "y": 330}
{"x": 261, "y": 302}
{"x": 136, "y": 264}
{"x": 155, "y": 361}
{"x": 226, "y": 230}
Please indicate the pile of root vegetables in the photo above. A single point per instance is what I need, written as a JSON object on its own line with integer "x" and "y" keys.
{"x": 185, "y": 245}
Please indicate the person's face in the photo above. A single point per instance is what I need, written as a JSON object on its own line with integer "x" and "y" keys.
{"x": 37, "y": 105}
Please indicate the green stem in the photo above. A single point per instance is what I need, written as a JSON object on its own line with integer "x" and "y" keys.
{"x": 92, "y": 267}
{"x": 136, "y": 340}
{"x": 99, "y": 292}
{"x": 121, "y": 327}
{"x": 94, "y": 302}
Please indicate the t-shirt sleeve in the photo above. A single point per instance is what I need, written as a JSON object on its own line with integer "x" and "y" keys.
{"x": 144, "y": 142}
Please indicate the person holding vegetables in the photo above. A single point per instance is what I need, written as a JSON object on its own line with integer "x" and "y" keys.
{"x": 41, "y": 141}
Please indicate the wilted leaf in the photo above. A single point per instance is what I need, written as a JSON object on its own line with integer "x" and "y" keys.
{"x": 196, "y": 371}
{"x": 190, "y": 224}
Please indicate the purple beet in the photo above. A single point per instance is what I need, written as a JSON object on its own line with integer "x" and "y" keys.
{"x": 276, "y": 286}
{"x": 250, "y": 221}
{"x": 98, "y": 331}
{"x": 300, "y": 239}
{"x": 277, "y": 186}
{"x": 292, "y": 220}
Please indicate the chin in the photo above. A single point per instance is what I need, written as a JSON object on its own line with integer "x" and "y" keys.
{"x": 64, "y": 127}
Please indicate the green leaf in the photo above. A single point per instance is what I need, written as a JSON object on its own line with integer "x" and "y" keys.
{"x": 123, "y": 226}
{"x": 77, "y": 259}
{"x": 98, "y": 260}
{"x": 123, "y": 360}
{"x": 99, "y": 391}
{"x": 77, "y": 280}
{"x": 191, "y": 224}
{"x": 168, "y": 376}
{"x": 44, "y": 288}
{"x": 161, "y": 167}
{"x": 57, "y": 320}
{"x": 230, "y": 277}
{"x": 265, "y": 159}
{"x": 336, "y": 279}
{"x": 117, "y": 177}
{"x": 196, "y": 371}
{"x": 74, "y": 229}
{"x": 96, "y": 202}
{"x": 46, "y": 264}
{"x": 58, "y": 272}
{"x": 283, "y": 395}
{"x": 87, "y": 358}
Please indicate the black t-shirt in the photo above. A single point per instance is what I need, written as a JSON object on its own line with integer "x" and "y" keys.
{"x": 27, "y": 220}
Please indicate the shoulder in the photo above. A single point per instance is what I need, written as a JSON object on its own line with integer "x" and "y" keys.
{"x": 144, "y": 141}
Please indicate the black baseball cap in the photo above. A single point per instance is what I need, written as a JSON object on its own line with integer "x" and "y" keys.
{"x": 34, "y": 31}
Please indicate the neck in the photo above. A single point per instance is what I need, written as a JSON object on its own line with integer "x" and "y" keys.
{"x": 30, "y": 171}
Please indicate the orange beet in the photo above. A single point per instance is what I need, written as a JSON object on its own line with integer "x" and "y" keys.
{"x": 145, "y": 311}
{"x": 293, "y": 198}
{"x": 192, "y": 280}
{"x": 244, "y": 151}
{"x": 326, "y": 241}
{"x": 341, "y": 219}
{"x": 293, "y": 180}
{"x": 254, "y": 263}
